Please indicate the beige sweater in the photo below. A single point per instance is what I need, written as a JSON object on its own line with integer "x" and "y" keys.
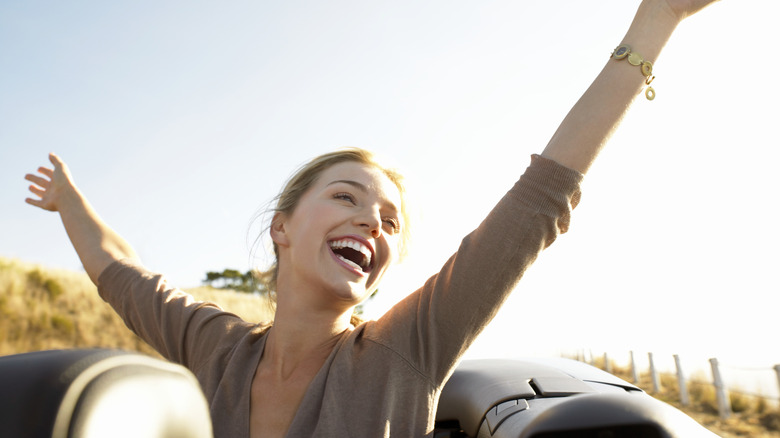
{"x": 384, "y": 378}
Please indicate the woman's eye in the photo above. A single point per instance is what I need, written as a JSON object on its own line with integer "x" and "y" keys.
{"x": 395, "y": 227}
{"x": 345, "y": 197}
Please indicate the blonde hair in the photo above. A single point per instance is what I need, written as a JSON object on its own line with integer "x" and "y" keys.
{"x": 305, "y": 177}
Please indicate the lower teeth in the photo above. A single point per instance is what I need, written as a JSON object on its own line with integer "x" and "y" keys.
{"x": 350, "y": 262}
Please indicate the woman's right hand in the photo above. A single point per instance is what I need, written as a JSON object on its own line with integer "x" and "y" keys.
{"x": 51, "y": 186}
{"x": 95, "y": 242}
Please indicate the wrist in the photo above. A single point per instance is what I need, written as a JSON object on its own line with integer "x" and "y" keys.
{"x": 69, "y": 196}
{"x": 651, "y": 28}
{"x": 71, "y": 204}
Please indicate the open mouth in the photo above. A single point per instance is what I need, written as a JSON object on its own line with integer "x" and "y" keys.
{"x": 353, "y": 253}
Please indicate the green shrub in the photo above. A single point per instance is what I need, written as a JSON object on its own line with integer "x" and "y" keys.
{"x": 762, "y": 406}
{"x": 740, "y": 402}
{"x": 771, "y": 421}
{"x": 35, "y": 276}
{"x": 37, "y": 279}
{"x": 63, "y": 325}
{"x": 703, "y": 394}
{"x": 53, "y": 288}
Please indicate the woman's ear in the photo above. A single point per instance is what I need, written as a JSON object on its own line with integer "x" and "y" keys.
{"x": 278, "y": 230}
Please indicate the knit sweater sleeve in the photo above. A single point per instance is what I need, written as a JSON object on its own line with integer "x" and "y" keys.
{"x": 180, "y": 328}
{"x": 435, "y": 325}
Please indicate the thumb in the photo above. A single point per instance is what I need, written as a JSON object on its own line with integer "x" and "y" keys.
{"x": 55, "y": 160}
{"x": 59, "y": 165}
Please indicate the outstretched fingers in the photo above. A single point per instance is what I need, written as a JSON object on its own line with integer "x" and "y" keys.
{"x": 38, "y": 188}
{"x": 39, "y": 201}
{"x": 44, "y": 184}
{"x": 46, "y": 171}
{"x": 36, "y": 202}
{"x": 41, "y": 182}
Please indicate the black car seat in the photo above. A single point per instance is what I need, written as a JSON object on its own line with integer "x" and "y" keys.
{"x": 99, "y": 393}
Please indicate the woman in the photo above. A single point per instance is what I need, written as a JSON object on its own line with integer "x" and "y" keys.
{"x": 339, "y": 225}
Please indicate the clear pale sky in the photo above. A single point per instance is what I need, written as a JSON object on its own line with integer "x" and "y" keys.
{"x": 180, "y": 120}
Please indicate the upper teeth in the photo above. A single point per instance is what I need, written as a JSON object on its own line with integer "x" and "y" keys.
{"x": 357, "y": 246}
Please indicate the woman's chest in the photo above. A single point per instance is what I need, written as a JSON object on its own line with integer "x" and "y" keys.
{"x": 274, "y": 403}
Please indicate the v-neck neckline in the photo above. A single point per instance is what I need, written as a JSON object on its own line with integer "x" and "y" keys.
{"x": 318, "y": 377}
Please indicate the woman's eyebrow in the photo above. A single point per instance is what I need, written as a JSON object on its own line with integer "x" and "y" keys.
{"x": 363, "y": 188}
{"x": 357, "y": 185}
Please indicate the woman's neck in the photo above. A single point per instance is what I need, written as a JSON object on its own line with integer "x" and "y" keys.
{"x": 301, "y": 338}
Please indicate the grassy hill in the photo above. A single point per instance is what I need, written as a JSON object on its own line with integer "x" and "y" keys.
{"x": 43, "y": 308}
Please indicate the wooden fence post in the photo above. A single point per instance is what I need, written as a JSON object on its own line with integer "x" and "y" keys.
{"x": 607, "y": 365}
{"x": 654, "y": 374}
{"x": 777, "y": 371}
{"x": 724, "y": 405}
{"x": 635, "y": 374}
{"x": 681, "y": 382}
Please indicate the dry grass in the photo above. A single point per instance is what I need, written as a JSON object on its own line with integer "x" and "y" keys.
{"x": 43, "y": 308}
{"x": 752, "y": 417}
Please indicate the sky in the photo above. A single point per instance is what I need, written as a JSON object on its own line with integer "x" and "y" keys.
{"x": 181, "y": 120}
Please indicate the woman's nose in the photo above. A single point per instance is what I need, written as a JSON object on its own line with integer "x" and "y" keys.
{"x": 372, "y": 221}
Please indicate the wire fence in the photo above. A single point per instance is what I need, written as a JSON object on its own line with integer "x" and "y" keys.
{"x": 727, "y": 381}
{"x": 749, "y": 380}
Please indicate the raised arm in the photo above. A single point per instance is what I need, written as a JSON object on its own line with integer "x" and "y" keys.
{"x": 96, "y": 244}
{"x": 593, "y": 119}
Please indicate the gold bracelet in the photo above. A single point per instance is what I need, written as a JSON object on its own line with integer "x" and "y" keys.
{"x": 624, "y": 51}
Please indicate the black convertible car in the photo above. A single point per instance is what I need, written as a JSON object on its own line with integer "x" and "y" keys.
{"x": 108, "y": 393}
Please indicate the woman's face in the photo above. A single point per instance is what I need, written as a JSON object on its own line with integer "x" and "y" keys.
{"x": 342, "y": 237}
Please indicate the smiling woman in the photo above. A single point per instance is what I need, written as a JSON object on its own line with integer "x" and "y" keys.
{"x": 340, "y": 223}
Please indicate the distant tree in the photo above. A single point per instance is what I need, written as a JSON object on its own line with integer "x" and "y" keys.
{"x": 211, "y": 277}
{"x": 235, "y": 280}
{"x": 246, "y": 282}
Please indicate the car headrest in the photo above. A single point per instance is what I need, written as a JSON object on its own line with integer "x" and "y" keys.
{"x": 99, "y": 393}
{"x": 553, "y": 397}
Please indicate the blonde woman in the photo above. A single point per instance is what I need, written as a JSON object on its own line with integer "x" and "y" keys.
{"x": 339, "y": 226}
